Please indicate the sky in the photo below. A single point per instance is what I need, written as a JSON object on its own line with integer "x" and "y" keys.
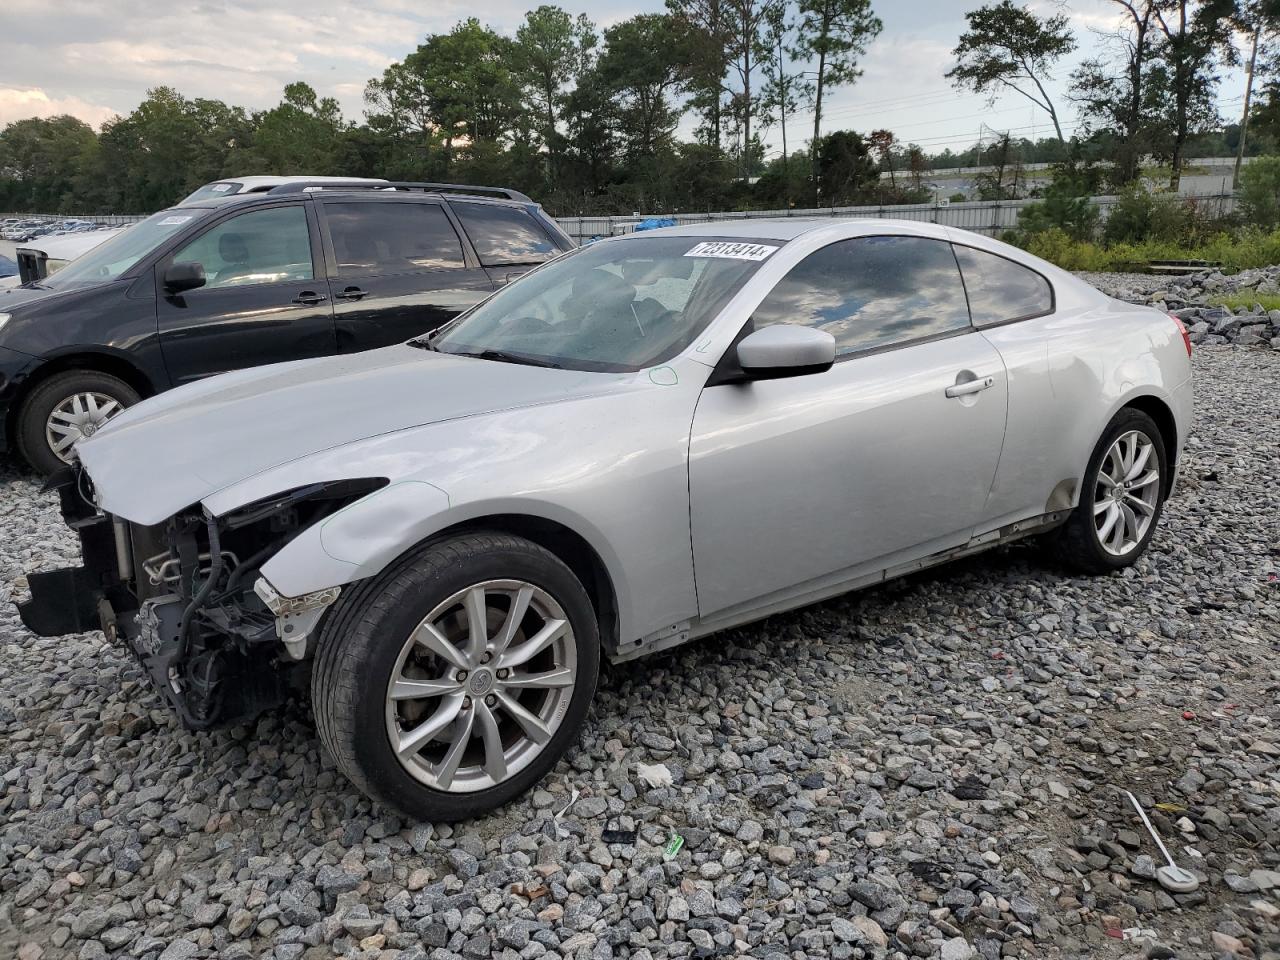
{"x": 97, "y": 58}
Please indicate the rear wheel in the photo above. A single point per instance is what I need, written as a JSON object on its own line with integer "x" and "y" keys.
{"x": 454, "y": 681}
{"x": 67, "y": 408}
{"x": 1121, "y": 499}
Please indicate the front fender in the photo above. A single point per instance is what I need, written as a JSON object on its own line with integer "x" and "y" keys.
{"x": 363, "y": 538}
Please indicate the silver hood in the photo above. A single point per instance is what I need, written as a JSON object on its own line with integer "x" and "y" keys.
{"x": 175, "y": 449}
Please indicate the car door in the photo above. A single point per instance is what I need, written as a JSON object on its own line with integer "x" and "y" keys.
{"x": 398, "y": 269}
{"x": 508, "y": 239}
{"x": 1014, "y": 307}
{"x": 264, "y": 299}
{"x": 801, "y": 484}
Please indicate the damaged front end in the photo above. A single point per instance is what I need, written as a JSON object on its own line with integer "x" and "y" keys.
{"x": 186, "y": 597}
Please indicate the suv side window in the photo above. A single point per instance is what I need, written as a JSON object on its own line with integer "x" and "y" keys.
{"x": 261, "y": 246}
{"x": 504, "y": 235}
{"x": 385, "y": 238}
{"x": 1001, "y": 290}
{"x": 872, "y": 292}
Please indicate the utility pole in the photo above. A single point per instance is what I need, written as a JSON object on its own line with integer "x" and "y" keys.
{"x": 782, "y": 110}
{"x": 1248, "y": 95}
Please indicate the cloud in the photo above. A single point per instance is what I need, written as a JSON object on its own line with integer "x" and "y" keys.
{"x": 20, "y": 103}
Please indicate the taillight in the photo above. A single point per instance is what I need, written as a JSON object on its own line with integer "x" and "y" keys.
{"x": 1182, "y": 329}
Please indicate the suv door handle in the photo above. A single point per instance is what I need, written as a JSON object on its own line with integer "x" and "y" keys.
{"x": 352, "y": 293}
{"x": 970, "y": 387}
{"x": 309, "y": 298}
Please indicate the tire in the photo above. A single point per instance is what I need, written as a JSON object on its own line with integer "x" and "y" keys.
{"x": 1079, "y": 543}
{"x": 34, "y": 416}
{"x": 365, "y": 645}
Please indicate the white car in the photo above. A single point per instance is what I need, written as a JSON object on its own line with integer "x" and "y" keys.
{"x": 641, "y": 442}
{"x": 234, "y": 185}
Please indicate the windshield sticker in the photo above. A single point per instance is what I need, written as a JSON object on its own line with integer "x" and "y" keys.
{"x": 220, "y": 188}
{"x": 173, "y": 221}
{"x": 726, "y": 250}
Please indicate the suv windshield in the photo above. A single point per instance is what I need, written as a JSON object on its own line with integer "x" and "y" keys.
{"x": 612, "y": 306}
{"x": 117, "y": 255}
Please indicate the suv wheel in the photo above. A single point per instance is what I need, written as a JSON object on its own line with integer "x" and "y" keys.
{"x": 455, "y": 680}
{"x": 65, "y": 408}
{"x": 1121, "y": 499}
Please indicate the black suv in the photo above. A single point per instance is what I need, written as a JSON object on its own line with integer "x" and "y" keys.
{"x": 301, "y": 270}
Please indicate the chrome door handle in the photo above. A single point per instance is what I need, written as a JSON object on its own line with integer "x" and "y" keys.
{"x": 970, "y": 387}
{"x": 309, "y": 299}
{"x": 352, "y": 293}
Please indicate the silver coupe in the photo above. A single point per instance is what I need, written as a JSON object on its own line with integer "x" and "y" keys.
{"x": 642, "y": 442}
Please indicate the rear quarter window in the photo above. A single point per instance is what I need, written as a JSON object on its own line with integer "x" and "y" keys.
{"x": 504, "y": 235}
{"x": 1000, "y": 290}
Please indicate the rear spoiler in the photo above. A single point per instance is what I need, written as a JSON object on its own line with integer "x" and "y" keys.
{"x": 32, "y": 264}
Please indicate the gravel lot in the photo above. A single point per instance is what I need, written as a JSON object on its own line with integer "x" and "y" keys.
{"x": 931, "y": 768}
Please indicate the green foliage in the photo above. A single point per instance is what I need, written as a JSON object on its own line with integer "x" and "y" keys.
{"x": 1010, "y": 48}
{"x": 845, "y": 168}
{"x": 1260, "y": 192}
{"x": 1140, "y": 215}
{"x": 1066, "y": 207}
{"x": 1247, "y": 301}
{"x": 1243, "y": 250}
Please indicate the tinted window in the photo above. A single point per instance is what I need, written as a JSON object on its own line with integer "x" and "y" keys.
{"x": 265, "y": 246}
{"x": 372, "y": 239}
{"x": 504, "y": 234}
{"x": 1000, "y": 289}
{"x": 871, "y": 292}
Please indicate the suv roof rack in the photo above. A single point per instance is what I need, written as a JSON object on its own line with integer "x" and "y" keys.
{"x": 301, "y": 186}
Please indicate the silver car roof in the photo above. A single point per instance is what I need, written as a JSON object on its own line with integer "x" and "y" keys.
{"x": 789, "y": 228}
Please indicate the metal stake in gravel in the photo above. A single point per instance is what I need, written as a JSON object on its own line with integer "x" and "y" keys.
{"x": 1173, "y": 877}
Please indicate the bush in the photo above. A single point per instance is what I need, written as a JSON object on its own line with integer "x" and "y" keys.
{"x": 1245, "y": 250}
{"x": 1139, "y": 215}
{"x": 1260, "y": 192}
{"x": 1066, "y": 207}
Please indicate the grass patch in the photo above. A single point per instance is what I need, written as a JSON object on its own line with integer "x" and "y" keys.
{"x": 1246, "y": 301}
{"x": 1245, "y": 250}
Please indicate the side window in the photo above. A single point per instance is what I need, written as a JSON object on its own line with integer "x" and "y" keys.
{"x": 387, "y": 238}
{"x": 262, "y": 246}
{"x": 504, "y": 235}
{"x": 1001, "y": 290}
{"x": 872, "y": 292}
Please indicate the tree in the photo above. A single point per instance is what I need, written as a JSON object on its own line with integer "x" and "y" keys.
{"x": 301, "y": 135}
{"x": 785, "y": 91}
{"x": 1193, "y": 37}
{"x": 833, "y": 35}
{"x": 1118, "y": 96}
{"x": 553, "y": 51}
{"x": 703, "y": 25}
{"x": 747, "y": 48}
{"x": 1010, "y": 48}
{"x": 642, "y": 66}
{"x": 1261, "y": 20}
{"x": 1260, "y": 192}
{"x": 883, "y": 142}
{"x": 44, "y": 158}
{"x": 845, "y": 167}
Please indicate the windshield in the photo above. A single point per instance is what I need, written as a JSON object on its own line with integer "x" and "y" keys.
{"x": 614, "y": 306}
{"x": 116, "y": 256}
{"x": 223, "y": 188}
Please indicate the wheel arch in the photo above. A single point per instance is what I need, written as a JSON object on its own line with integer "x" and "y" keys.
{"x": 569, "y": 547}
{"x": 1160, "y": 411}
{"x": 111, "y": 364}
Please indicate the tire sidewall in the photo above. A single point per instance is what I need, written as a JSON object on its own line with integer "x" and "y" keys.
{"x": 1126, "y": 420}
{"x": 386, "y": 636}
{"x": 34, "y": 415}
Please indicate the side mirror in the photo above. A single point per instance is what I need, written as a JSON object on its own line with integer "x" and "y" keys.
{"x": 183, "y": 276}
{"x": 786, "y": 350}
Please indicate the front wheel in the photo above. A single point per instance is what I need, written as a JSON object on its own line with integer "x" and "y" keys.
{"x": 1121, "y": 499}
{"x": 456, "y": 679}
{"x": 64, "y": 409}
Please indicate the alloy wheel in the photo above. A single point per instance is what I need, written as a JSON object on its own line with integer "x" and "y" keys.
{"x": 78, "y": 416}
{"x": 1127, "y": 492}
{"x": 481, "y": 685}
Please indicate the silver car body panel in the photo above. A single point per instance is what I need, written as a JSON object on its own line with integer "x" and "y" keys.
{"x": 765, "y": 495}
